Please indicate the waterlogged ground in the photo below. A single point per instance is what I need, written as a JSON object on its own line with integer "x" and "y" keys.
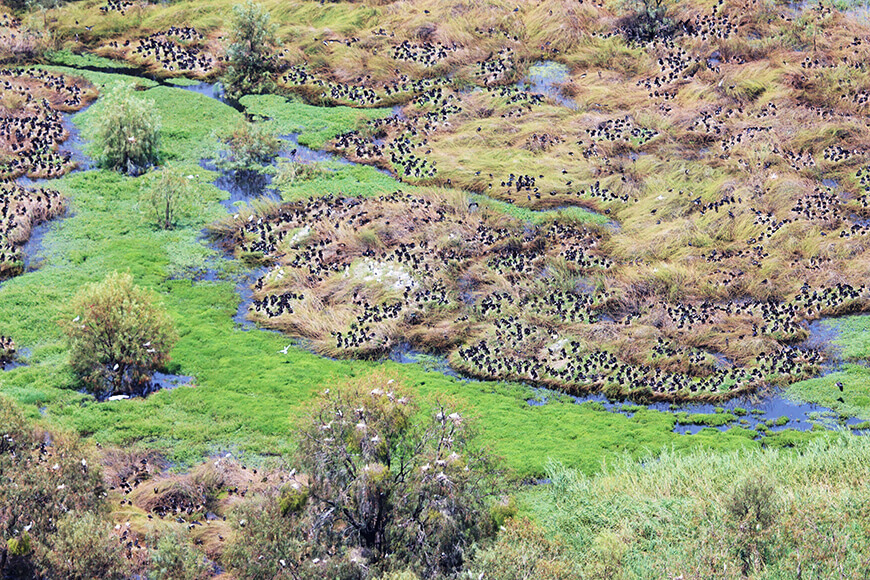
{"x": 234, "y": 389}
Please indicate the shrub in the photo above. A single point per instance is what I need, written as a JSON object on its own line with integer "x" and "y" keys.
{"x": 42, "y": 477}
{"x": 524, "y": 551}
{"x": 127, "y": 134}
{"x": 175, "y": 559}
{"x": 266, "y": 544}
{"x": 752, "y": 509}
{"x": 251, "y": 64}
{"x": 645, "y": 20}
{"x": 293, "y": 172}
{"x": 168, "y": 197}
{"x": 118, "y": 336}
{"x": 384, "y": 491}
{"x": 84, "y": 548}
{"x": 247, "y": 147}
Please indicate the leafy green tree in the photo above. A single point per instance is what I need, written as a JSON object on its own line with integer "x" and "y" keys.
{"x": 169, "y": 196}
{"x": 118, "y": 336}
{"x": 127, "y": 135}
{"x": 252, "y": 41}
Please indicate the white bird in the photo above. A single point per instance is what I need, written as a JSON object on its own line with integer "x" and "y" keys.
{"x": 284, "y": 350}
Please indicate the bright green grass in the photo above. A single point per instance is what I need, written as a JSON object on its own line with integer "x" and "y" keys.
{"x": 249, "y": 397}
{"x": 854, "y": 338}
{"x": 345, "y": 179}
{"x": 853, "y": 344}
{"x": 570, "y": 214}
{"x": 67, "y": 58}
{"x": 824, "y": 391}
{"x": 320, "y": 124}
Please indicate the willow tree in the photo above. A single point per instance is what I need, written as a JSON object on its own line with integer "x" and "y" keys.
{"x": 127, "y": 135}
{"x": 250, "y": 53}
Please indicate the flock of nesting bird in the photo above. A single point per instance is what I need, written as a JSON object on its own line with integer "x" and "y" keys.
{"x": 31, "y": 121}
{"x": 497, "y": 314}
{"x": 175, "y": 50}
{"x": 453, "y": 277}
{"x": 456, "y": 276}
{"x": 31, "y": 132}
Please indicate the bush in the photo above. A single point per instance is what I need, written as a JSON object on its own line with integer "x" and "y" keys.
{"x": 384, "y": 491}
{"x": 127, "y": 134}
{"x": 168, "y": 197}
{"x": 523, "y": 551}
{"x": 752, "y": 509}
{"x": 118, "y": 336}
{"x": 645, "y": 20}
{"x": 247, "y": 147}
{"x": 251, "y": 64}
{"x": 266, "y": 545}
{"x": 39, "y": 483}
{"x": 84, "y": 548}
{"x": 293, "y": 172}
{"x": 175, "y": 559}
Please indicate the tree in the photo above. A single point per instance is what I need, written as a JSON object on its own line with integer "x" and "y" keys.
{"x": 251, "y": 64}
{"x": 127, "y": 135}
{"x": 118, "y": 336}
{"x": 43, "y": 477}
{"x": 384, "y": 489}
{"x": 168, "y": 196}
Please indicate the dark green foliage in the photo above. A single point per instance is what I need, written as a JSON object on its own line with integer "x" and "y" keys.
{"x": 646, "y": 20}
{"x": 252, "y": 40}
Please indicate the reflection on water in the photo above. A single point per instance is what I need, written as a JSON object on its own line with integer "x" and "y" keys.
{"x": 547, "y": 78}
{"x": 768, "y": 412}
